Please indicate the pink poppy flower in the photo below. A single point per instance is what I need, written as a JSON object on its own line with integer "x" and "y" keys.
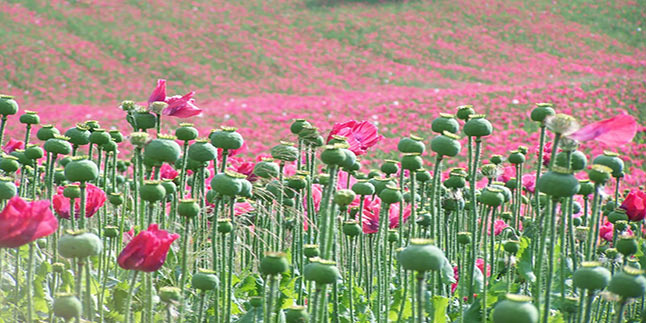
{"x": 547, "y": 153}
{"x": 635, "y": 205}
{"x": 529, "y": 182}
{"x": 456, "y": 272}
{"x": 22, "y": 222}
{"x": 178, "y": 105}
{"x": 616, "y": 131}
{"x": 168, "y": 172}
{"x": 606, "y": 231}
{"x": 95, "y": 198}
{"x": 242, "y": 208}
{"x": 361, "y": 135}
{"x": 480, "y": 265}
{"x": 508, "y": 173}
{"x": 147, "y": 250}
{"x": 498, "y": 226}
{"x": 12, "y": 145}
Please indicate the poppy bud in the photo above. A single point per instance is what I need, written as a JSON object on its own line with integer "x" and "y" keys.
{"x": 79, "y": 244}
{"x": 628, "y": 283}
{"x": 511, "y": 246}
{"x": 445, "y": 122}
{"x": 296, "y": 314}
{"x": 390, "y": 194}
{"x": 188, "y": 208}
{"x": 225, "y": 226}
{"x": 321, "y": 271}
{"x": 169, "y": 294}
{"x": 274, "y": 263}
{"x": 558, "y": 182}
{"x": 30, "y": 118}
{"x": 202, "y": 151}
{"x": 162, "y": 149}
{"x": 226, "y": 138}
{"x": 421, "y": 256}
{"x": 67, "y": 306}
{"x": 477, "y": 126}
{"x": 516, "y": 309}
{"x": 81, "y": 170}
{"x": 464, "y": 111}
{"x": 411, "y": 161}
{"x": 390, "y": 167}
{"x": 351, "y": 228}
{"x": 542, "y": 111}
{"x": 205, "y": 280}
{"x": 311, "y": 250}
{"x": 284, "y": 151}
{"x": 34, "y": 152}
{"x": 612, "y": 161}
{"x": 298, "y": 125}
{"x": 58, "y": 145}
{"x": 411, "y": 144}
{"x": 446, "y": 145}
{"x": 47, "y": 132}
{"x": 100, "y": 137}
{"x": 591, "y": 276}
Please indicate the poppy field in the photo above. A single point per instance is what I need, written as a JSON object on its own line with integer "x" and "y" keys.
{"x": 322, "y": 161}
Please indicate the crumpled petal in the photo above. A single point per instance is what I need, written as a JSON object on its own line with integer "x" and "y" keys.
{"x": 159, "y": 93}
{"x": 618, "y": 130}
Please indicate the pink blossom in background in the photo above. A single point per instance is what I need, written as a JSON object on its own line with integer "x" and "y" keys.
{"x": 168, "y": 172}
{"x": 178, "y": 105}
{"x": 480, "y": 265}
{"x": 361, "y": 135}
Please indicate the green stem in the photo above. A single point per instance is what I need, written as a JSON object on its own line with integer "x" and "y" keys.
{"x": 539, "y": 165}
{"x": 201, "y": 308}
{"x": 269, "y": 310}
{"x": 82, "y": 206}
{"x": 550, "y": 267}
{"x": 230, "y": 264}
{"x": 3, "y": 123}
{"x": 620, "y": 312}
{"x": 30, "y": 278}
{"x": 131, "y": 291}
{"x": 593, "y": 225}
{"x": 420, "y": 297}
{"x": 474, "y": 216}
{"x": 182, "y": 279}
{"x": 149, "y": 298}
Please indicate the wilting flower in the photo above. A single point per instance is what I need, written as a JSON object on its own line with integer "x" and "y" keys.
{"x": 94, "y": 200}
{"x": 22, "y": 222}
{"x": 178, "y": 105}
{"x": 562, "y": 124}
{"x": 635, "y": 205}
{"x": 147, "y": 251}
{"x": 360, "y": 135}
{"x": 616, "y": 131}
{"x": 168, "y": 172}
{"x": 12, "y": 145}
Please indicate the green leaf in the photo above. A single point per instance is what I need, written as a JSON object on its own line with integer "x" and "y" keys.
{"x": 250, "y": 316}
{"x": 440, "y": 304}
{"x": 448, "y": 276}
{"x": 525, "y": 267}
{"x": 472, "y": 314}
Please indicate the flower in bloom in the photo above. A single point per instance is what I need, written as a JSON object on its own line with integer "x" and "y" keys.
{"x": 507, "y": 173}
{"x": 22, "y": 222}
{"x": 498, "y": 226}
{"x": 94, "y": 200}
{"x": 361, "y": 135}
{"x": 480, "y": 265}
{"x": 371, "y": 212}
{"x": 606, "y": 231}
{"x": 616, "y": 131}
{"x": 529, "y": 182}
{"x": 168, "y": 172}
{"x": 547, "y": 152}
{"x": 178, "y": 105}
{"x": 12, "y": 145}
{"x": 635, "y": 205}
{"x": 147, "y": 250}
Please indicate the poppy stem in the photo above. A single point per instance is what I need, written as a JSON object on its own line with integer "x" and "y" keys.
{"x": 82, "y": 206}
{"x": 131, "y": 290}
{"x": 270, "y": 298}
{"x": 474, "y": 215}
{"x": 550, "y": 267}
{"x": 182, "y": 278}
{"x": 539, "y": 165}
{"x": 420, "y": 297}
{"x": 3, "y": 123}
{"x": 30, "y": 278}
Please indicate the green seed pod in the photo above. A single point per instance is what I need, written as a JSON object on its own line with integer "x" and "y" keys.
{"x": 464, "y": 111}
{"x": 162, "y": 149}
{"x": 446, "y": 145}
{"x": 284, "y": 151}
{"x": 228, "y": 183}
{"x": 336, "y": 139}
{"x": 143, "y": 120}
{"x": 138, "y": 139}
{"x": 169, "y": 294}
{"x": 411, "y": 161}
{"x": 79, "y": 244}
{"x": 390, "y": 167}
{"x": 22, "y": 159}
{"x": 333, "y": 155}
{"x": 100, "y": 137}
{"x": 627, "y": 246}
{"x": 202, "y": 151}
{"x": 169, "y": 187}
{"x": 298, "y": 125}
{"x": 226, "y": 138}
{"x": 477, "y": 126}
{"x": 59, "y": 177}
{"x": 67, "y": 306}
{"x": 349, "y": 161}
{"x": 81, "y": 170}
{"x": 424, "y": 219}
{"x": 186, "y": 132}
{"x": 225, "y": 226}
{"x": 310, "y": 135}
{"x": 152, "y": 191}
{"x": 464, "y": 238}
{"x": 266, "y": 169}
{"x": 516, "y": 158}
{"x": 542, "y": 111}
{"x": 9, "y": 164}
{"x": 7, "y": 188}
{"x": 58, "y": 145}
{"x": 110, "y": 146}
{"x": 116, "y": 136}
{"x": 496, "y": 159}
{"x": 256, "y": 301}
{"x": 30, "y": 118}
{"x": 558, "y": 182}
{"x": 421, "y": 256}
{"x": 274, "y": 263}
{"x": 351, "y": 228}
{"x": 58, "y": 267}
{"x": 247, "y": 189}
{"x": 412, "y": 144}
{"x": 599, "y": 174}
{"x": 34, "y": 152}
{"x": 591, "y": 276}
{"x": 115, "y": 199}
{"x": 617, "y": 214}
{"x": 390, "y": 194}
{"x": 8, "y": 105}
{"x": 393, "y": 235}
{"x": 512, "y": 246}
{"x": 111, "y": 231}
{"x": 344, "y": 197}
{"x": 311, "y": 250}
{"x": 72, "y": 191}
{"x": 493, "y": 197}
{"x": 505, "y": 191}
{"x": 188, "y": 208}
{"x": 422, "y": 175}
{"x": 321, "y": 271}
{"x": 586, "y": 187}
{"x": 445, "y": 122}
{"x": 515, "y": 309}
{"x": 297, "y": 182}
{"x": 628, "y": 283}
{"x": 612, "y": 161}
{"x": 296, "y": 314}
{"x": 47, "y": 132}
{"x": 205, "y": 280}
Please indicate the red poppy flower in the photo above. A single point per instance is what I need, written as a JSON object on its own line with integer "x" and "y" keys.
{"x": 147, "y": 250}
{"x": 361, "y": 135}
{"x": 178, "y": 106}
{"x": 616, "y": 131}
{"x": 22, "y": 222}
{"x": 94, "y": 200}
{"x": 168, "y": 172}
{"x": 12, "y": 145}
{"x": 635, "y": 205}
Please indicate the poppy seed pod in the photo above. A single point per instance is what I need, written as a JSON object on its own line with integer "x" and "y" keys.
{"x": 516, "y": 157}
{"x": 143, "y": 120}
{"x": 169, "y": 186}
{"x": 169, "y": 294}
{"x": 515, "y": 309}
{"x": 363, "y": 188}
{"x": 612, "y": 161}
{"x": 599, "y": 174}
{"x": 46, "y": 132}
{"x": 477, "y": 126}
{"x": 464, "y": 111}
{"x": 202, "y": 151}
{"x": 492, "y": 197}
{"x": 228, "y": 183}
{"x": 591, "y": 276}
{"x": 110, "y": 146}
{"x": 266, "y": 168}
{"x": 585, "y": 187}
{"x": 333, "y": 155}
{"x": 115, "y": 198}
{"x": 562, "y": 124}
{"x": 390, "y": 167}
{"x": 100, "y": 137}
{"x": 351, "y": 228}
{"x": 578, "y": 160}
{"x": 390, "y": 194}
{"x": 9, "y": 164}
{"x": 67, "y": 306}
{"x": 344, "y": 197}
{"x": 138, "y": 138}
{"x": 446, "y": 145}
{"x": 274, "y": 263}
{"x": 506, "y": 192}
{"x": 7, "y": 188}
{"x": 152, "y": 191}
{"x": 8, "y": 105}
{"x": 617, "y": 214}
{"x": 411, "y": 161}
{"x": 297, "y": 182}
{"x": 311, "y": 250}
{"x": 627, "y": 246}
{"x": 226, "y": 138}
{"x": 309, "y": 134}
{"x": 445, "y": 122}
{"x": 321, "y": 271}
{"x": 628, "y": 283}
{"x": 188, "y": 208}
{"x": 350, "y": 160}
{"x": 72, "y": 191}
{"x": 421, "y": 256}
{"x": 496, "y": 159}
{"x": 411, "y": 144}
{"x": 58, "y": 145}
{"x": 298, "y": 125}
{"x": 393, "y": 235}
{"x": 30, "y": 118}
{"x": 422, "y": 175}
{"x": 511, "y": 246}
{"x": 34, "y": 152}
{"x": 111, "y": 231}
{"x": 296, "y": 314}
{"x": 186, "y": 132}
{"x": 80, "y": 169}
{"x": 162, "y": 149}
{"x": 79, "y": 244}
{"x": 284, "y": 151}
{"x": 225, "y": 226}
{"x": 558, "y": 182}
{"x": 464, "y": 238}
{"x": 205, "y": 280}
{"x": 542, "y": 111}
{"x": 116, "y": 136}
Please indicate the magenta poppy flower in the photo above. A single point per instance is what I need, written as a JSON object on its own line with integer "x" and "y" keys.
{"x": 635, "y": 205}
{"x": 147, "y": 250}
{"x": 370, "y": 215}
{"x": 393, "y": 215}
{"x": 456, "y": 275}
{"x": 178, "y": 105}
{"x": 12, "y": 145}
{"x": 529, "y": 182}
{"x": 168, "y": 172}
{"x": 243, "y": 208}
{"x": 547, "y": 153}
{"x": 480, "y": 265}
{"x": 94, "y": 200}
{"x": 507, "y": 173}
{"x": 616, "y": 131}
{"x": 22, "y": 222}
{"x": 159, "y": 93}
{"x": 361, "y": 135}
{"x": 606, "y": 231}
{"x": 498, "y": 226}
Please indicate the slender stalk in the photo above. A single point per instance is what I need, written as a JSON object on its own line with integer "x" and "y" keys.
{"x": 182, "y": 278}
{"x": 201, "y": 308}
{"x": 620, "y": 312}
{"x": 550, "y": 267}
{"x": 230, "y": 265}
{"x": 269, "y": 310}
{"x": 3, "y": 123}
{"x": 474, "y": 216}
{"x": 30, "y": 278}
{"x": 420, "y": 297}
{"x": 131, "y": 291}
{"x": 539, "y": 165}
